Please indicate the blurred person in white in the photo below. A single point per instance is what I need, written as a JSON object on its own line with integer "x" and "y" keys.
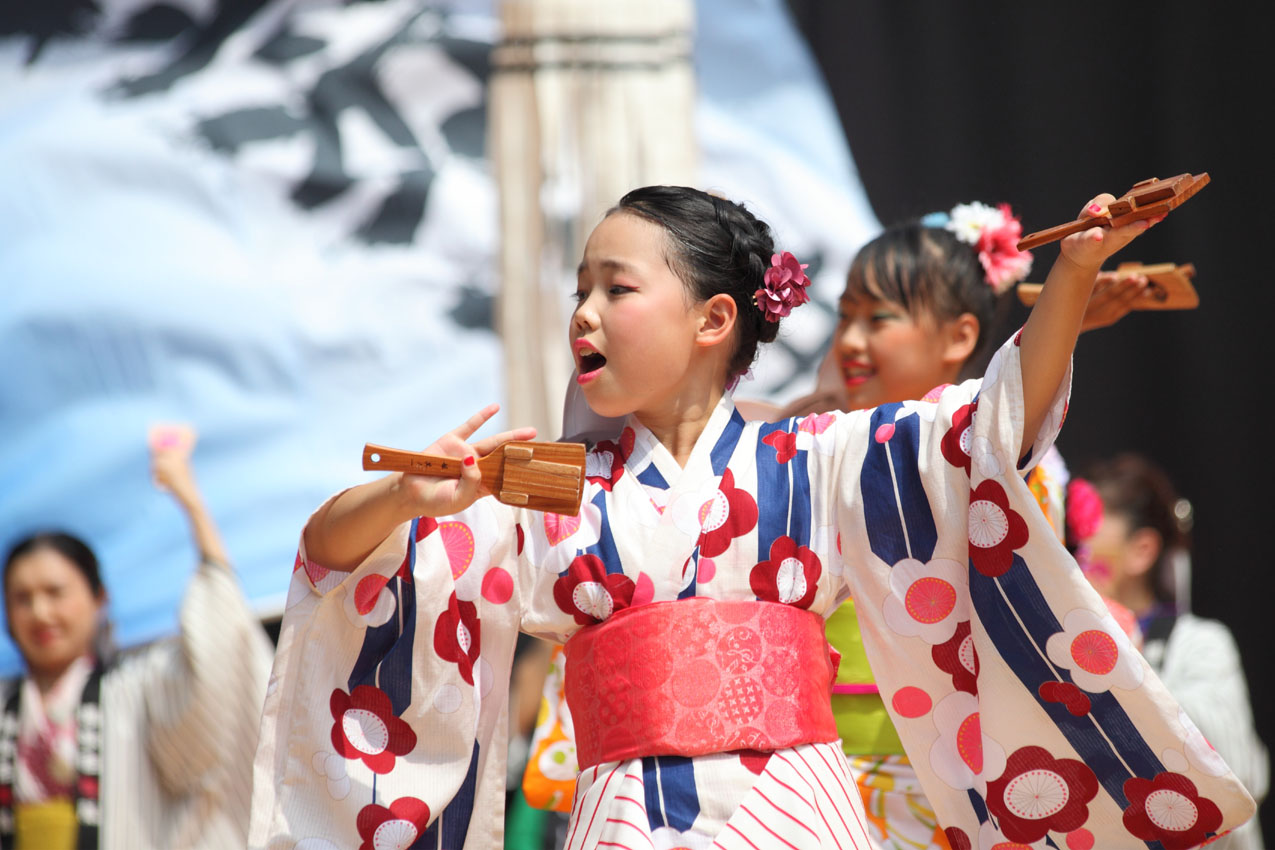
{"x": 1136, "y": 550}
{"x": 148, "y": 748}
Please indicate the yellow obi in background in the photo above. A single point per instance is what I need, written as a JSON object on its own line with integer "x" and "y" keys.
{"x": 862, "y": 721}
{"x": 50, "y": 825}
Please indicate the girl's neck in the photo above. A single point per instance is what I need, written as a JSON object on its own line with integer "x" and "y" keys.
{"x": 679, "y": 427}
{"x": 1136, "y": 596}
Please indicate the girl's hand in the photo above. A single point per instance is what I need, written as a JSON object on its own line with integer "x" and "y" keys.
{"x": 426, "y": 495}
{"x": 347, "y": 528}
{"x": 170, "y": 468}
{"x": 1089, "y": 249}
{"x": 1114, "y": 295}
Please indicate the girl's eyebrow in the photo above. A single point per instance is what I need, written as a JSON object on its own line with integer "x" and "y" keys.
{"x": 608, "y": 264}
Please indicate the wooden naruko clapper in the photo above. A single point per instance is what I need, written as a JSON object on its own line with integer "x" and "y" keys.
{"x": 537, "y": 475}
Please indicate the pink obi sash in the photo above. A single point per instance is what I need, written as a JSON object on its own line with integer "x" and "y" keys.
{"x": 699, "y": 676}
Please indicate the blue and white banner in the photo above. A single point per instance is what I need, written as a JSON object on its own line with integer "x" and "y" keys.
{"x": 275, "y": 221}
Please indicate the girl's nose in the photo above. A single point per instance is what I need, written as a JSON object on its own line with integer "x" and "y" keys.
{"x": 584, "y": 318}
{"x": 852, "y": 338}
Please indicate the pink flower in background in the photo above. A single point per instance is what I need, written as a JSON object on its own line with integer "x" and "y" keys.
{"x": 993, "y": 233}
{"x": 1084, "y": 510}
{"x": 997, "y": 246}
{"x": 784, "y": 287}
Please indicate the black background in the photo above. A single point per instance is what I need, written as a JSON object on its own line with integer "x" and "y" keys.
{"x": 1044, "y": 106}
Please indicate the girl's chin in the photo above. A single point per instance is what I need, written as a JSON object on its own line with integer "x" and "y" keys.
{"x": 613, "y": 411}
{"x": 606, "y": 405}
{"x": 861, "y": 397}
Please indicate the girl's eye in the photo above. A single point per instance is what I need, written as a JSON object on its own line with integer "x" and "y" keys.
{"x": 617, "y": 289}
{"x": 883, "y": 316}
{"x": 578, "y": 296}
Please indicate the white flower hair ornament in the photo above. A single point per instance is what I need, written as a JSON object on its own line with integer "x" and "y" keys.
{"x": 993, "y": 232}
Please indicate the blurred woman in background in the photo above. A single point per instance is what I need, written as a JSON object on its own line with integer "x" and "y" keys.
{"x": 145, "y": 749}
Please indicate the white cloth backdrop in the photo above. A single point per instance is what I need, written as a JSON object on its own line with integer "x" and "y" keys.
{"x": 276, "y": 220}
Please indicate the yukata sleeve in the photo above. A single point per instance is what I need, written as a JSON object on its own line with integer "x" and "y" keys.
{"x": 388, "y": 701}
{"x": 1021, "y": 703}
{"x": 203, "y": 704}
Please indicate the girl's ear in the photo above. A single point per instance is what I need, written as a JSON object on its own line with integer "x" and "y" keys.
{"x": 717, "y": 320}
{"x": 1142, "y": 550}
{"x": 961, "y": 338}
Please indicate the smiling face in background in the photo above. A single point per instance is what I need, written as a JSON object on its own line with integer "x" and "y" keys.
{"x": 634, "y": 327}
{"x": 51, "y": 609}
{"x": 887, "y": 355}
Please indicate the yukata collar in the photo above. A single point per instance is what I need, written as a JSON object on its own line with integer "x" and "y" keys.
{"x": 647, "y": 450}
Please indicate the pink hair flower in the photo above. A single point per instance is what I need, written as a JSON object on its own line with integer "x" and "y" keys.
{"x": 784, "y": 287}
{"x": 993, "y": 232}
{"x": 1003, "y": 264}
{"x": 1084, "y": 510}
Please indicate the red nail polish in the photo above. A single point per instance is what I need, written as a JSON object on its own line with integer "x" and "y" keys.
{"x": 470, "y": 461}
{"x": 1095, "y": 209}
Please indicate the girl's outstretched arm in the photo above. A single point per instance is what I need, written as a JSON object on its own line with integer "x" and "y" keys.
{"x": 1049, "y": 336}
{"x": 348, "y": 527}
{"x": 171, "y": 470}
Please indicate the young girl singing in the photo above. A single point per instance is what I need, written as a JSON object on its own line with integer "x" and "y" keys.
{"x": 691, "y": 592}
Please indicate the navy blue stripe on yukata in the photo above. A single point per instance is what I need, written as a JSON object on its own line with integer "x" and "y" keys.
{"x": 605, "y": 547}
{"x": 725, "y": 446}
{"x": 385, "y": 659}
{"x": 888, "y": 466}
{"x": 651, "y": 477}
{"x": 799, "y": 508}
{"x": 669, "y": 791}
{"x": 452, "y": 826}
{"x": 772, "y": 490}
{"x": 1019, "y": 632}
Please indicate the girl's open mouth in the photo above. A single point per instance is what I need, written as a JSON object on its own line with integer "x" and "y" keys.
{"x": 591, "y": 362}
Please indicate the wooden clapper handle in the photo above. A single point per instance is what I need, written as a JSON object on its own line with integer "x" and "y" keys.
{"x": 541, "y": 476}
{"x": 1147, "y": 199}
{"x": 1053, "y": 234}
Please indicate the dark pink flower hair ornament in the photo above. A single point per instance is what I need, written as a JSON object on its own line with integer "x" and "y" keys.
{"x": 783, "y": 287}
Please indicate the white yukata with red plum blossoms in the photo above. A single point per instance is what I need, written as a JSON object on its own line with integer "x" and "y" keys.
{"x": 1027, "y": 714}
